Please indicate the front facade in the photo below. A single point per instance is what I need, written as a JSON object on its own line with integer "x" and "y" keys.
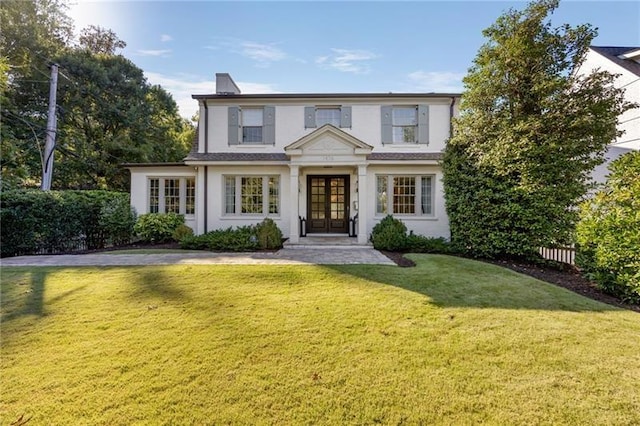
{"x": 317, "y": 164}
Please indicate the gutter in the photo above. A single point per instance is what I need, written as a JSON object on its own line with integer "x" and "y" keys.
{"x": 206, "y": 168}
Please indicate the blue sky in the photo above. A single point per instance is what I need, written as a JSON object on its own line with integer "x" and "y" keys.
{"x": 320, "y": 46}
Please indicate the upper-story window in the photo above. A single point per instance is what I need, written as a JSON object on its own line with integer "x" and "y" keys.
{"x": 405, "y": 124}
{"x": 318, "y": 116}
{"x": 252, "y": 119}
{"x": 328, "y": 116}
{"x": 252, "y": 125}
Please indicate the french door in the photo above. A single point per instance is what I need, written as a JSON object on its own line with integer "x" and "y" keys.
{"x": 328, "y": 204}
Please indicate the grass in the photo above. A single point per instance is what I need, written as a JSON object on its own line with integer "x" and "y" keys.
{"x": 452, "y": 341}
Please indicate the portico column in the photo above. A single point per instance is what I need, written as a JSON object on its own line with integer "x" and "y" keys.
{"x": 363, "y": 211}
{"x": 294, "y": 208}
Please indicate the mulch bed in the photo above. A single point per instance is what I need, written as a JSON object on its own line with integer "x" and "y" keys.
{"x": 565, "y": 276}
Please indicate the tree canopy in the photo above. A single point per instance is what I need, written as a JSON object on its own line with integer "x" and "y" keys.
{"x": 108, "y": 113}
{"x": 529, "y": 133}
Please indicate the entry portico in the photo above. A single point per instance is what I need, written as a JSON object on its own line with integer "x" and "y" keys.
{"x": 328, "y": 168}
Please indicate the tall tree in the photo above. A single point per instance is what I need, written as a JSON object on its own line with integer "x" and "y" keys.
{"x": 111, "y": 115}
{"x": 100, "y": 40}
{"x": 529, "y": 133}
{"x": 32, "y": 34}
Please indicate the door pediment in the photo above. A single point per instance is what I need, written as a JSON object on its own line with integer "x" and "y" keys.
{"x": 328, "y": 141}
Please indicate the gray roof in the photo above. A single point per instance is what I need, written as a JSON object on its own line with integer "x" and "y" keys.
{"x": 249, "y": 157}
{"x": 327, "y": 95}
{"x": 612, "y": 53}
{"x": 236, "y": 156}
{"x": 405, "y": 156}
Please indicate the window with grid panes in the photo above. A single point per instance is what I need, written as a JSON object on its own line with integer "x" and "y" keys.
{"x": 172, "y": 195}
{"x": 252, "y": 195}
{"x": 411, "y": 195}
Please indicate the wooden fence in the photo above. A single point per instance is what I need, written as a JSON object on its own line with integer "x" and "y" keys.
{"x": 560, "y": 254}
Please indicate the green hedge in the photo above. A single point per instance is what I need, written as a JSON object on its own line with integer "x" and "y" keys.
{"x": 157, "y": 227}
{"x": 60, "y": 221}
{"x": 608, "y": 233}
{"x": 265, "y": 235}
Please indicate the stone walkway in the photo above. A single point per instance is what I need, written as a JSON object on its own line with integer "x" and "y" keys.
{"x": 286, "y": 256}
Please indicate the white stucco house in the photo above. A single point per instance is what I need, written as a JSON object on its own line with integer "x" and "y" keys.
{"x": 625, "y": 62}
{"x": 317, "y": 164}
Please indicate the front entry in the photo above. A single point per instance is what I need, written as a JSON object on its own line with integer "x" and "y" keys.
{"x": 328, "y": 204}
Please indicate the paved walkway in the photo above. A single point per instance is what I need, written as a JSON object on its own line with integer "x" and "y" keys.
{"x": 286, "y": 256}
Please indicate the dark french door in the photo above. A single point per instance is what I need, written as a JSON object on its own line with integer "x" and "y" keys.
{"x": 328, "y": 204}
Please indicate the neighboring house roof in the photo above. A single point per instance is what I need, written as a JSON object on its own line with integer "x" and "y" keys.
{"x": 613, "y": 54}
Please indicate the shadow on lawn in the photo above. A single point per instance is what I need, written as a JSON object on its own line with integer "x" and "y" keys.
{"x": 155, "y": 283}
{"x": 25, "y": 296}
{"x": 454, "y": 282}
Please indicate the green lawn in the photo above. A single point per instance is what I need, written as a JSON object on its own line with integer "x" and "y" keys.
{"x": 452, "y": 341}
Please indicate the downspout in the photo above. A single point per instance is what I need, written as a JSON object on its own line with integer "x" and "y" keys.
{"x": 206, "y": 168}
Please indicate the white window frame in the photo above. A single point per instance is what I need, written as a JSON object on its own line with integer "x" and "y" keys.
{"x": 242, "y": 112}
{"x": 395, "y": 126}
{"x": 384, "y": 199}
{"x": 161, "y": 188}
{"x": 267, "y": 195}
{"x": 327, "y": 108}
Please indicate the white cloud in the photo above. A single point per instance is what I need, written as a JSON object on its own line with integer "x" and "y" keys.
{"x": 347, "y": 60}
{"x": 165, "y": 37}
{"x": 436, "y": 81}
{"x": 159, "y": 52}
{"x": 264, "y": 54}
{"x": 183, "y": 86}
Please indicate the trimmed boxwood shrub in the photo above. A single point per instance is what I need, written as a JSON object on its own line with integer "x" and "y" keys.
{"x": 269, "y": 235}
{"x": 157, "y": 227}
{"x": 389, "y": 234}
{"x": 181, "y": 232}
{"x": 57, "y": 221}
{"x": 608, "y": 233}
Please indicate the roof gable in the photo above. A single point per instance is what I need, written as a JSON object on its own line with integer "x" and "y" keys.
{"x": 328, "y": 139}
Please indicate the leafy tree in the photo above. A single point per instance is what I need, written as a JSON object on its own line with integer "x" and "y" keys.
{"x": 100, "y": 40}
{"x": 32, "y": 34}
{"x": 529, "y": 133}
{"x": 608, "y": 233}
{"x": 111, "y": 115}
{"x": 108, "y": 113}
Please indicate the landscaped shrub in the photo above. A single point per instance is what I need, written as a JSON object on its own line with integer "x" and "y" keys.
{"x": 54, "y": 221}
{"x": 421, "y": 244}
{"x": 242, "y": 238}
{"x": 608, "y": 233}
{"x": 181, "y": 232}
{"x": 389, "y": 234}
{"x": 269, "y": 235}
{"x": 157, "y": 227}
{"x": 118, "y": 218}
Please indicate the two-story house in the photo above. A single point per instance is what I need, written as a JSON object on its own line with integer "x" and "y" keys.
{"x": 624, "y": 62}
{"x": 317, "y": 164}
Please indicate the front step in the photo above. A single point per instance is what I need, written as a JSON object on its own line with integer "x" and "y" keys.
{"x": 326, "y": 242}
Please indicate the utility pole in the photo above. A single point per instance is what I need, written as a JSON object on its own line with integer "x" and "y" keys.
{"x": 50, "y": 142}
